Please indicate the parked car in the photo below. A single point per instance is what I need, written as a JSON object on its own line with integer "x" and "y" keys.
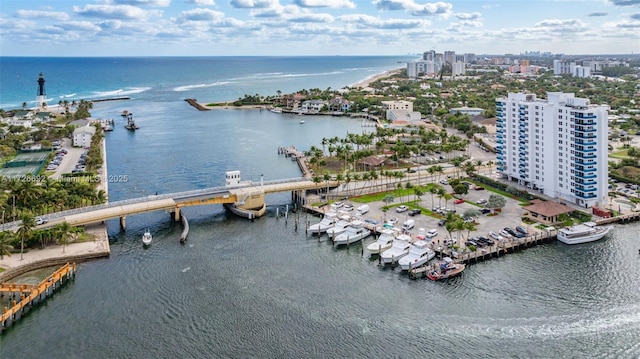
{"x": 470, "y": 243}
{"x": 347, "y": 207}
{"x": 431, "y": 233}
{"x": 495, "y": 235}
{"x": 485, "y": 240}
{"x": 415, "y": 212}
{"x": 478, "y": 188}
{"x": 41, "y": 220}
{"x": 485, "y": 210}
{"x": 442, "y": 222}
{"x": 435, "y": 209}
{"x": 444, "y": 182}
{"x": 458, "y": 201}
{"x": 392, "y": 220}
{"x": 481, "y": 201}
{"x": 522, "y": 230}
{"x": 408, "y": 224}
{"x": 510, "y": 231}
{"x": 402, "y": 208}
{"x": 504, "y": 233}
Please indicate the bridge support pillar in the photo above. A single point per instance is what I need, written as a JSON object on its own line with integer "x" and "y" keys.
{"x": 123, "y": 223}
{"x": 176, "y": 214}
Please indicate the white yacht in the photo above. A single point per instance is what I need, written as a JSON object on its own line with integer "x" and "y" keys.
{"x": 327, "y": 222}
{"x": 384, "y": 241}
{"x": 147, "y": 238}
{"x": 399, "y": 249}
{"x": 355, "y": 231}
{"x": 419, "y": 254}
{"x": 582, "y": 233}
{"x": 340, "y": 226}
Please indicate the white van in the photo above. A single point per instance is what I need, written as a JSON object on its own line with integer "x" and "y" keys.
{"x": 363, "y": 209}
{"x": 408, "y": 224}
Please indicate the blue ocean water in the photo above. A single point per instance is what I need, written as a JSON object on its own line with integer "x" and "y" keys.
{"x": 171, "y": 78}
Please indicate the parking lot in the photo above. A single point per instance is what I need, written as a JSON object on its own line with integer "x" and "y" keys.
{"x": 69, "y": 161}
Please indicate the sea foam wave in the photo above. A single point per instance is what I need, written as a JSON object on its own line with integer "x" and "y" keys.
{"x": 121, "y": 92}
{"x": 191, "y": 87}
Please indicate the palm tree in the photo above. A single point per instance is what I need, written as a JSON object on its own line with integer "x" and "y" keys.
{"x": 25, "y": 231}
{"x": 64, "y": 232}
{"x": 5, "y": 247}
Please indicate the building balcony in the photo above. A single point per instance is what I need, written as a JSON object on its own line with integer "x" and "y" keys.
{"x": 581, "y": 116}
{"x": 586, "y": 163}
{"x": 585, "y": 123}
{"x": 585, "y": 143}
{"x": 500, "y": 169}
{"x": 585, "y": 195}
{"x": 523, "y": 153}
{"x": 500, "y": 156}
{"x": 585, "y": 170}
{"x": 585, "y": 183}
{"x": 585, "y": 129}
{"x": 582, "y": 136}
{"x": 585, "y": 175}
{"x": 582, "y": 155}
{"x": 585, "y": 150}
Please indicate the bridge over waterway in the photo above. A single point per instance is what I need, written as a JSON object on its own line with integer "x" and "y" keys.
{"x": 238, "y": 195}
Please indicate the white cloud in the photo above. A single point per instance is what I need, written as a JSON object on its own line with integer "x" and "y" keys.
{"x": 200, "y": 15}
{"x": 367, "y": 21}
{"x": 468, "y": 16}
{"x": 154, "y": 3}
{"x": 38, "y": 14}
{"x": 322, "y": 18}
{"x": 79, "y": 26}
{"x": 254, "y": 4}
{"x": 436, "y": 8}
{"x": 326, "y": 3}
{"x": 114, "y": 12}
{"x": 202, "y": 2}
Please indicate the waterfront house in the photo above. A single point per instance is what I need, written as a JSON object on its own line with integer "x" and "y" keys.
{"x": 313, "y": 106}
{"x": 339, "y": 104}
{"x": 82, "y": 135}
{"x": 546, "y": 212}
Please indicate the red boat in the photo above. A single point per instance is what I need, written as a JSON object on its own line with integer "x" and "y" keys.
{"x": 444, "y": 269}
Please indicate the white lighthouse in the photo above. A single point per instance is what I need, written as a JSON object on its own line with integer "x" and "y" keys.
{"x": 41, "y": 98}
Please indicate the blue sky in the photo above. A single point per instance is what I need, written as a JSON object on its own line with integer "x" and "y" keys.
{"x": 315, "y": 27}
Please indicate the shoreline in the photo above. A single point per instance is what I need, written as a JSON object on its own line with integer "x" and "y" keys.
{"x": 228, "y": 105}
{"x": 38, "y": 258}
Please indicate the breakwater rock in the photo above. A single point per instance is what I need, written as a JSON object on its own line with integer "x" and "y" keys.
{"x": 193, "y": 102}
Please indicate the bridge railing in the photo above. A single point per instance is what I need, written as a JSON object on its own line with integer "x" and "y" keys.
{"x": 148, "y": 198}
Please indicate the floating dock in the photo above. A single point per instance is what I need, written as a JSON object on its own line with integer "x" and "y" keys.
{"x": 30, "y": 294}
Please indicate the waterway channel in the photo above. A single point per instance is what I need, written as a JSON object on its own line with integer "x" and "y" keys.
{"x": 240, "y": 289}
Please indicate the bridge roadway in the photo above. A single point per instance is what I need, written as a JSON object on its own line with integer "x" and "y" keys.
{"x": 172, "y": 202}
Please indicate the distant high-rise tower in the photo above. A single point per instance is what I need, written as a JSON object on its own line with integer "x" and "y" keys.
{"x": 41, "y": 98}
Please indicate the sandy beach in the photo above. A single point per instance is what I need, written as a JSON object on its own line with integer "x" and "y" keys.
{"x": 228, "y": 105}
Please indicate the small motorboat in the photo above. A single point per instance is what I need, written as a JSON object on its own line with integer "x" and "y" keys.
{"x": 147, "y": 238}
{"x": 444, "y": 269}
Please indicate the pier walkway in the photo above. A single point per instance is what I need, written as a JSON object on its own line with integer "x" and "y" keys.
{"x": 30, "y": 294}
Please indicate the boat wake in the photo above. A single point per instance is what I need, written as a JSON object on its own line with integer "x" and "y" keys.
{"x": 578, "y": 325}
{"x": 185, "y": 270}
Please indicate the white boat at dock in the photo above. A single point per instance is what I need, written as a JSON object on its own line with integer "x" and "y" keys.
{"x": 354, "y": 232}
{"x": 327, "y": 222}
{"x": 384, "y": 241}
{"x": 582, "y": 233}
{"x": 399, "y": 249}
{"x": 419, "y": 254}
{"x": 340, "y": 226}
{"x": 147, "y": 238}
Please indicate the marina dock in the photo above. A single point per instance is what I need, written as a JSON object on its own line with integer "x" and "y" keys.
{"x": 31, "y": 294}
{"x": 297, "y": 155}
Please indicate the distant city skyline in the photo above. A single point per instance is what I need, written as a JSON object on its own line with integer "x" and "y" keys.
{"x": 315, "y": 27}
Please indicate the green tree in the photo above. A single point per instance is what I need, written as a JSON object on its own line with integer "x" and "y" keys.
{"x": 496, "y": 201}
{"x": 64, "y": 232}
{"x": 5, "y": 244}
{"x": 25, "y": 231}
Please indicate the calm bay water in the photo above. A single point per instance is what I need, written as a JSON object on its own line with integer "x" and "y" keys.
{"x": 260, "y": 289}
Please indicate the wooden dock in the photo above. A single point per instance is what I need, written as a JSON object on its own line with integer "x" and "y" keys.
{"x": 298, "y": 156}
{"x": 482, "y": 254}
{"x": 625, "y": 218}
{"x": 31, "y": 294}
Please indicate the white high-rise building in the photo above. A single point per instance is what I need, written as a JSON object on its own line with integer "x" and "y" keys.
{"x": 556, "y": 146}
{"x": 457, "y": 69}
